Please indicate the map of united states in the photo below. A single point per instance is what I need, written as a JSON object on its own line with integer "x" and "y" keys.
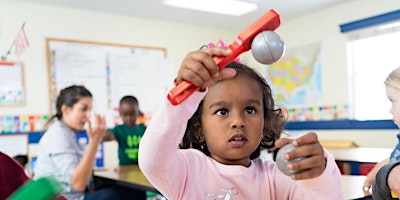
{"x": 296, "y": 77}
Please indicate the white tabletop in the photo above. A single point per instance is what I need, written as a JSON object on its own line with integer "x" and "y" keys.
{"x": 360, "y": 154}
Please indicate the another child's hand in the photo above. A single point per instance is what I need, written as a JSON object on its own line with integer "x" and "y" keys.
{"x": 199, "y": 67}
{"x": 109, "y": 137}
{"x": 309, "y": 147}
{"x": 368, "y": 181}
{"x": 97, "y": 132}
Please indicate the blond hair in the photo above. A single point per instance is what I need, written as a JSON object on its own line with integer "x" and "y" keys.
{"x": 393, "y": 79}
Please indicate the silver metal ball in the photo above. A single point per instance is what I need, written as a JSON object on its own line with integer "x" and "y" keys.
{"x": 267, "y": 47}
{"x": 282, "y": 162}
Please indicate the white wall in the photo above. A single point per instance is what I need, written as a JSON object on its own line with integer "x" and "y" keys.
{"x": 46, "y": 21}
{"x": 323, "y": 27}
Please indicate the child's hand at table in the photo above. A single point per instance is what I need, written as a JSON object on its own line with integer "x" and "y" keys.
{"x": 309, "y": 147}
{"x": 199, "y": 67}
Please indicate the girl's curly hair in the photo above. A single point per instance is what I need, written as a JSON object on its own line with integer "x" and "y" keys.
{"x": 274, "y": 119}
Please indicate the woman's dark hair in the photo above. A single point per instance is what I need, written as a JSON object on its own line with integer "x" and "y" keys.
{"x": 69, "y": 96}
{"x": 274, "y": 119}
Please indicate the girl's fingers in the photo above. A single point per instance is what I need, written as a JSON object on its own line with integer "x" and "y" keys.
{"x": 210, "y": 63}
{"x": 310, "y": 155}
{"x": 308, "y": 138}
{"x": 305, "y": 151}
{"x": 307, "y": 162}
{"x": 199, "y": 66}
{"x": 282, "y": 142}
{"x": 224, "y": 73}
{"x": 195, "y": 76}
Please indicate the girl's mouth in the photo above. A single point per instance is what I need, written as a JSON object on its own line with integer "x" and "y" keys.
{"x": 237, "y": 140}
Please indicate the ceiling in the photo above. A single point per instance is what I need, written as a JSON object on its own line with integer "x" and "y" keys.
{"x": 154, "y": 9}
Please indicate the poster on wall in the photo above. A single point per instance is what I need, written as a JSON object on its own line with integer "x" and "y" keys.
{"x": 11, "y": 84}
{"x": 296, "y": 78}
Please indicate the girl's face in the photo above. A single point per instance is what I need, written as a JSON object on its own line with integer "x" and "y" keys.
{"x": 129, "y": 114}
{"x": 233, "y": 120}
{"x": 76, "y": 116}
{"x": 394, "y": 96}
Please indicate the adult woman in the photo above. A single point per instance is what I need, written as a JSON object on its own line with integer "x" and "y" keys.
{"x": 59, "y": 153}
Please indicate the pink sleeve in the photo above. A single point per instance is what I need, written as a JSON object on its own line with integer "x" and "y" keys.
{"x": 329, "y": 183}
{"x": 159, "y": 157}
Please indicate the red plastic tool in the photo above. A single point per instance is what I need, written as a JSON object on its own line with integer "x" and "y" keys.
{"x": 269, "y": 21}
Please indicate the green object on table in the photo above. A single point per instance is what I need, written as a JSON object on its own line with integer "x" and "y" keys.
{"x": 45, "y": 188}
{"x": 154, "y": 196}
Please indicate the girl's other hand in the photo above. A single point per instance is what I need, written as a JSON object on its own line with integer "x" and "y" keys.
{"x": 309, "y": 147}
{"x": 199, "y": 67}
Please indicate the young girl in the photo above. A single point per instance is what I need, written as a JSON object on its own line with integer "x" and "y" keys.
{"x": 59, "y": 153}
{"x": 227, "y": 122}
{"x": 387, "y": 171}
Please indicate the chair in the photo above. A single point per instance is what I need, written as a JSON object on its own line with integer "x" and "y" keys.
{"x": 16, "y": 185}
{"x": 12, "y": 175}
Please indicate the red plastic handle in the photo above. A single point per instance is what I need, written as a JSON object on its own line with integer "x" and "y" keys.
{"x": 269, "y": 21}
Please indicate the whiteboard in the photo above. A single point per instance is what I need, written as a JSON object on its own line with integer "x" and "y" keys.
{"x": 109, "y": 71}
{"x": 14, "y": 144}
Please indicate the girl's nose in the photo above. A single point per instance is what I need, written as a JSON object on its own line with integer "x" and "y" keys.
{"x": 238, "y": 121}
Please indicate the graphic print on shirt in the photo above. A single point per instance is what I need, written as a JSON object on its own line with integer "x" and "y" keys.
{"x": 395, "y": 156}
{"x": 133, "y": 143}
{"x": 224, "y": 194}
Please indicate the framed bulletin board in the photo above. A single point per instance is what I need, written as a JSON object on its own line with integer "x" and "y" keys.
{"x": 14, "y": 144}
{"x": 109, "y": 71}
{"x": 12, "y": 87}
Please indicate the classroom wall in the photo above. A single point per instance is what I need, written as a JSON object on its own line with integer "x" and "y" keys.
{"x": 47, "y": 21}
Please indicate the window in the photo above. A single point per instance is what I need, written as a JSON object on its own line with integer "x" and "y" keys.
{"x": 373, "y": 52}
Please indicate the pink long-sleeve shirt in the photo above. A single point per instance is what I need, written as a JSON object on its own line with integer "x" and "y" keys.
{"x": 191, "y": 175}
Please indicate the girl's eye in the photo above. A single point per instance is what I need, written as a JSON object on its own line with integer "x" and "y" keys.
{"x": 221, "y": 112}
{"x": 250, "y": 110}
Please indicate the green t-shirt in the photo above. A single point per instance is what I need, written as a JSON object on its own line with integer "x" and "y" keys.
{"x": 128, "y": 142}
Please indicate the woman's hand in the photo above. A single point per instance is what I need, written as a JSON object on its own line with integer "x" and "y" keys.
{"x": 99, "y": 129}
{"x": 308, "y": 146}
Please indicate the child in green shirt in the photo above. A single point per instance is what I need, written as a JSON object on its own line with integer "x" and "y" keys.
{"x": 128, "y": 134}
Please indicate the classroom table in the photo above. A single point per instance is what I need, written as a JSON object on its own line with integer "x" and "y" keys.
{"x": 128, "y": 176}
{"x": 352, "y": 186}
{"x": 360, "y": 154}
{"x": 131, "y": 176}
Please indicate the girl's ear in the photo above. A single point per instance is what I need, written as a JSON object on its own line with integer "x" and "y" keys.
{"x": 199, "y": 132}
{"x": 201, "y": 138}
